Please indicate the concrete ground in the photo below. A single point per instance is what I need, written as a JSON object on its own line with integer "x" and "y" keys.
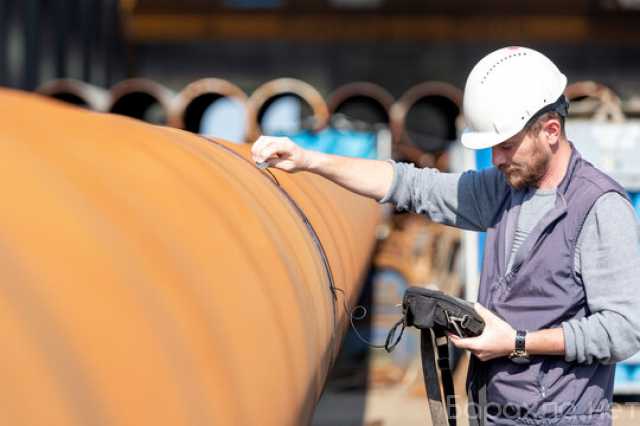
{"x": 404, "y": 403}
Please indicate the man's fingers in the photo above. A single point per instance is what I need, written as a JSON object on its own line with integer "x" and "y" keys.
{"x": 271, "y": 152}
{"x": 463, "y": 343}
{"x": 258, "y": 145}
{"x": 266, "y": 147}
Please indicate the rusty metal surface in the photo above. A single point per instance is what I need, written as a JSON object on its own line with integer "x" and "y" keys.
{"x": 416, "y": 252}
{"x": 76, "y": 92}
{"x": 153, "y": 277}
{"x": 143, "y": 99}
{"x": 404, "y": 147}
{"x": 423, "y": 252}
{"x": 379, "y": 100}
{"x": 190, "y": 104}
{"x": 595, "y": 101}
{"x": 279, "y": 87}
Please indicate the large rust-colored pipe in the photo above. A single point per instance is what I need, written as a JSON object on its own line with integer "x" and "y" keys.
{"x": 142, "y": 99}
{"x": 77, "y": 93}
{"x": 153, "y": 277}
{"x": 191, "y": 103}
{"x": 268, "y": 92}
{"x": 362, "y": 101}
{"x": 446, "y": 102}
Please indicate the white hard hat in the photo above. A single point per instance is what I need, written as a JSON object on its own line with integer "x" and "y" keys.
{"x": 505, "y": 90}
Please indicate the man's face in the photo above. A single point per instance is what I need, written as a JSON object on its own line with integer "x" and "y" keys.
{"x": 523, "y": 159}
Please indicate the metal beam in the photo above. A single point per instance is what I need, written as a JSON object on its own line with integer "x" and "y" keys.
{"x": 5, "y": 19}
{"x": 371, "y": 26}
{"x": 31, "y": 30}
{"x": 87, "y": 22}
{"x": 61, "y": 25}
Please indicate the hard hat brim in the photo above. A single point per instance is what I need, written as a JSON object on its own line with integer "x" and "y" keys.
{"x": 482, "y": 140}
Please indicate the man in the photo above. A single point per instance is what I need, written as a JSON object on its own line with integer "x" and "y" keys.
{"x": 559, "y": 286}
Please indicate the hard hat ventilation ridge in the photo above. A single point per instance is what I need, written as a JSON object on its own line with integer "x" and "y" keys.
{"x": 503, "y": 59}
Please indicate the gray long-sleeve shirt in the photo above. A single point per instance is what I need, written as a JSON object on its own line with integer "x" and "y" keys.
{"x": 607, "y": 255}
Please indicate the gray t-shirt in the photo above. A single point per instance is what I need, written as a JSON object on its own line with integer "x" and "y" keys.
{"x": 535, "y": 205}
{"x": 607, "y": 254}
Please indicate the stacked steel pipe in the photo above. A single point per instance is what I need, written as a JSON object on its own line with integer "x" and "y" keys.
{"x": 77, "y": 93}
{"x": 151, "y": 276}
{"x": 438, "y": 123}
{"x": 191, "y": 104}
{"x": 362, "y": 102}
{"x": 261, "y": 98}
{"x": 143, "y": 99}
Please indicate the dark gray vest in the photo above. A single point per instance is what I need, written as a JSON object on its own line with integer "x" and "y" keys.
{"x": 541, "y": 291}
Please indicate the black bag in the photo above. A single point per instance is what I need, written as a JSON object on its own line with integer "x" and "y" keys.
{"x": 435, "y": 314}
{"x": 429, "y": 309}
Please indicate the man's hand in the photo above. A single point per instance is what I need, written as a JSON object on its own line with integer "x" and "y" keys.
{"x": 281, "y": 153}
{"x": 497, "y": 339}
{"x": 371, "y": 178}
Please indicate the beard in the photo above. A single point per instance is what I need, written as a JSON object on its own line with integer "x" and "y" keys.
{"x": 521, "y": 175}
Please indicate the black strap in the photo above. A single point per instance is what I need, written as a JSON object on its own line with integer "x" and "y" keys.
{"x": 482, "y": 395}
{"x": 439, "y": 416}
{"x": 442, "y": 345}
{"x": 477, "y": 393}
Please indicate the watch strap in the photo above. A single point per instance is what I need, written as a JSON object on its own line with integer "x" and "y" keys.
{"x": 520, "y": 340}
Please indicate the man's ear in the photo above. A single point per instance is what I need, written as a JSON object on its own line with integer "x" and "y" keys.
{"x": 552, "y": 130}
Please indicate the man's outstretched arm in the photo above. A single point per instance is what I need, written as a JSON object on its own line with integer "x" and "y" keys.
{"x": 371, "y": 178}
{"x": 465, "y": 200}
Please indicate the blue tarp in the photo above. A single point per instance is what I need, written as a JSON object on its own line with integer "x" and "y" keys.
{"x": 349, "y": 143}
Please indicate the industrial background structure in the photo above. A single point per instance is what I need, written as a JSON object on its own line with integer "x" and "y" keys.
{"x": 153, "y": 275}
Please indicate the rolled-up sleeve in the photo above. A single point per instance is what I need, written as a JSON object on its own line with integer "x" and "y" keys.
{"x": 608, "y": 260}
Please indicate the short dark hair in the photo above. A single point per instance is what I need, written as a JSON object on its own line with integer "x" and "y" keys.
{"x": 536, "y": 126}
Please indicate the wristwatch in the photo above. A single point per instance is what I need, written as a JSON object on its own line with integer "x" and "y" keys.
{"x": 520, "y": 355}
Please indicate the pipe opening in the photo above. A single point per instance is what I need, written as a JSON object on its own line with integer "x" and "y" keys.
{"x": 430, "y": 123}
{"x": 285, "y": 113}
{"x": 363, "y": 108}
{"x": 76, "y": 93}
{"x": 71, "y": 98}
{"x": 196, "y": 109}
{"x": 140, "y": 105}
{"x": 213, "y": 114}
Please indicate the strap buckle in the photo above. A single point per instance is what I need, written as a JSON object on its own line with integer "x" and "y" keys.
{"x": 453, "y": 320}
